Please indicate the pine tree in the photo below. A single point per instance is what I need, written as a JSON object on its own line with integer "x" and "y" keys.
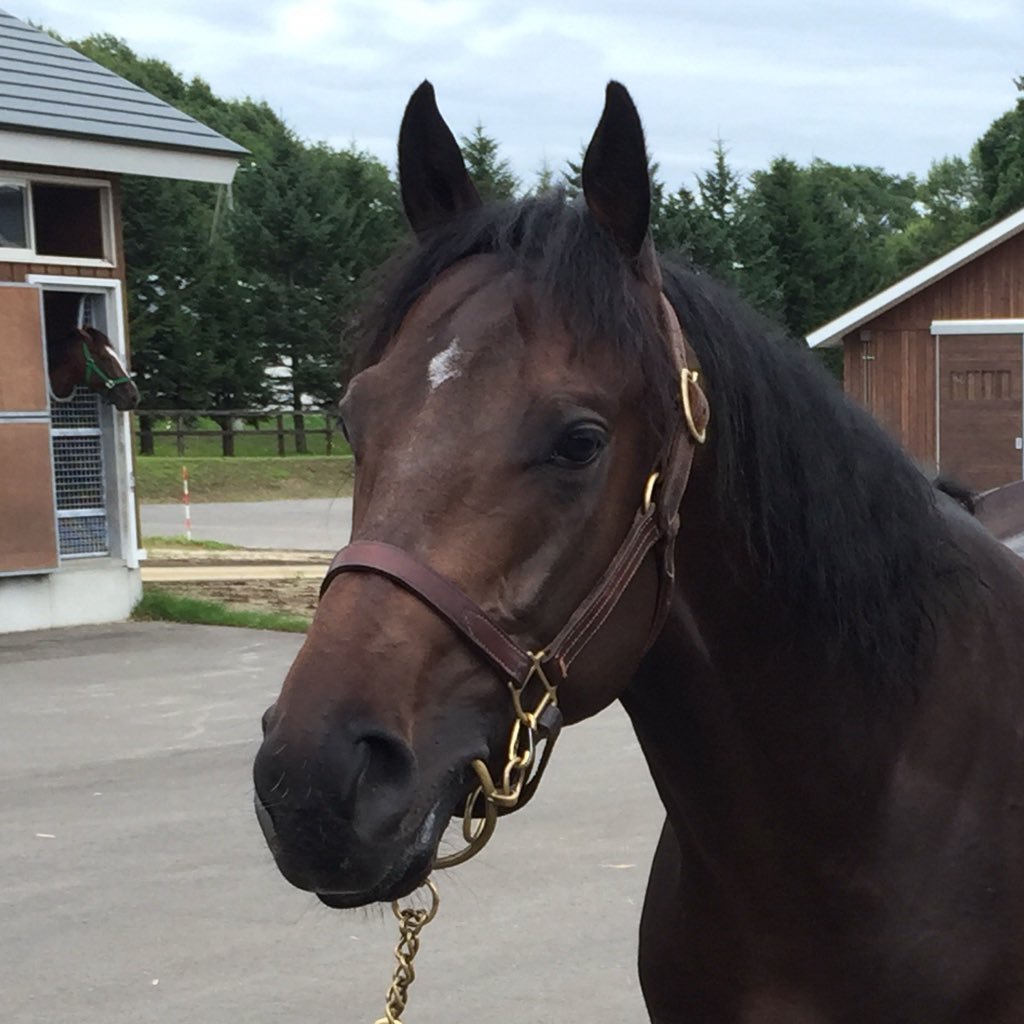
{"x": 492, "y": 175}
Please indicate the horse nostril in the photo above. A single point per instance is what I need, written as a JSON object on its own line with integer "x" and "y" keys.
{"x": 387, "y": 764}
{"x": 268, "y": 718}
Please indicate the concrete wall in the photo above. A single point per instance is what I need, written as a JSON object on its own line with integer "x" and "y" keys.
{"x": 83, "y": 592}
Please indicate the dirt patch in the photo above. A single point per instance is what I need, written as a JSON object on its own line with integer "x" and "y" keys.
{"x": 157, "y": 556}
{"x": 287, "y": 597}
{"x": 290, "y": 587}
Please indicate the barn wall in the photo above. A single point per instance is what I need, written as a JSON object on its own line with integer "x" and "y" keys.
{"x": 901, "y": 392}
{"x": 90, "y": 590}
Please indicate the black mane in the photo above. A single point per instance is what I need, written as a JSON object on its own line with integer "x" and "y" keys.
{"x": 833, "y": 515}
{"x": 826, "y": 510}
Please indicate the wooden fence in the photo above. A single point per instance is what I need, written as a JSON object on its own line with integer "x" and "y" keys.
{"x": 270, "y": 425}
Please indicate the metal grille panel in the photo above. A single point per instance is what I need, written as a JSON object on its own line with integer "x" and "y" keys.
{"x": 79, "y": 462}
{"x": 82, "y": 536}
{"x": 79, "y": 476}
{"x": 82, "y": 409}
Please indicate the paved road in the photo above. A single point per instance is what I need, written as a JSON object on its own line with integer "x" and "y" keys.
{"x": 136, "y": 888}
{"x": 312, "y": 524}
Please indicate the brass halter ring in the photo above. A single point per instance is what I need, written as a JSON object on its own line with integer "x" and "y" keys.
{"x": 686, "y": 378}
{"x": 520, "y": 761}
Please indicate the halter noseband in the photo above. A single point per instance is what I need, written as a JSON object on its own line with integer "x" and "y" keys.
{"x": 657, "y": 521}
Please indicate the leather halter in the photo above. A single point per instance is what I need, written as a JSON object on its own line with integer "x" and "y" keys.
{"x": 656, "y": 522}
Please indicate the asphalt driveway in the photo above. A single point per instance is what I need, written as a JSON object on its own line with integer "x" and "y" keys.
{"x": 310, "y": 524}
{"x": 137, "y": 890}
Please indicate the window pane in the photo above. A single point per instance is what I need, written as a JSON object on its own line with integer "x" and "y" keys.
{"x": 68, "y": 220}
{"x": 13, "y": 234}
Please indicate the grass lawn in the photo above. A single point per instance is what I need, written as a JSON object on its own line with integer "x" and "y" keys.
{"x": 158, "y": 478}
{"x": 181, "y": 541}
{"x": 156, "y": 605}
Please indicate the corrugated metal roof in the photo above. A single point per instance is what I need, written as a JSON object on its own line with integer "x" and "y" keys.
{"x": 47, "y": 87}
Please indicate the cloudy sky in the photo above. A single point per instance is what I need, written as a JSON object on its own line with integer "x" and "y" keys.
{"x": 891, "y": 83}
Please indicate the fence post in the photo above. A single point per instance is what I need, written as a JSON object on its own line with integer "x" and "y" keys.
{"x": 179, "y": 437}
{"x": 280, "y": 433}
{"x": 329, "y": 432}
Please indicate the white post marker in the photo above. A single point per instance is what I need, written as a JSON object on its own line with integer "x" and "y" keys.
{"x": 185, "y": 501}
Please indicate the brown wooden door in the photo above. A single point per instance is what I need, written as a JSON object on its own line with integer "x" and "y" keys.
{"x": 28, "y": 531}
{"x": 980, "y": 409}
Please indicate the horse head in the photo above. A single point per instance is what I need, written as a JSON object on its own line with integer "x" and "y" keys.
{"x": 86, "y": 357}
{"x": 509, "y": 413}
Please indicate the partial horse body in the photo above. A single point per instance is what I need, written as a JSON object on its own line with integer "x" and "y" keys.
{"x": 85, "y": 356}
{"x": 831, "y": 701}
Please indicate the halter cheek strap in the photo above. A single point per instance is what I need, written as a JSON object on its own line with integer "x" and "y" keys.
{"x": 91, "y": 366}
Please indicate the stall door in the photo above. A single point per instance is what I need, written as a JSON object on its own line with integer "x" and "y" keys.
{"x": 28, "y": 534}
{"x": 980, "y": 409}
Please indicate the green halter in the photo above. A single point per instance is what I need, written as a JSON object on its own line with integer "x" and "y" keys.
{"x": 92, "y": 367}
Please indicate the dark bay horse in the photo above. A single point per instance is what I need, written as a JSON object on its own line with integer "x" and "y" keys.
{"x": 86, "y": 356}
{"x": 821, "y": 655}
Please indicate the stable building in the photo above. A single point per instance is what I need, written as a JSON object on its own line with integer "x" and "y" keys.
{"x": 69, "y": 130}
{"x": 937, "y": 358}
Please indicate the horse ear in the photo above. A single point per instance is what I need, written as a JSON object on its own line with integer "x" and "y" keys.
{"x": 435, "y": 185}
{"x": 616, "y": 178}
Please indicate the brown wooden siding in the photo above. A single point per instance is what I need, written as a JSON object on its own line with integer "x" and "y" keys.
{"x": 900, "y": 388}
{"x": 981, "y": 395}
{"x": 892, "y": 374}
{"x": 990, "y": 287}
{"x": 17, "y": 272}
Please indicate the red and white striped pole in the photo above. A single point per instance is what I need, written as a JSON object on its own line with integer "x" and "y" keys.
{"x": 185, "y": 502}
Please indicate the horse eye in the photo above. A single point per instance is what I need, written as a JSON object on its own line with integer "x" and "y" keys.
{"x": 579, "y": 445}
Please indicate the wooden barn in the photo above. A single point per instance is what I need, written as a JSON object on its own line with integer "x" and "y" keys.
{"x": 937, "y": 358}
{"x": 69, "y": 130}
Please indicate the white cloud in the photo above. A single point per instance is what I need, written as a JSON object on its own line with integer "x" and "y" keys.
{"x": 894, "y": 83}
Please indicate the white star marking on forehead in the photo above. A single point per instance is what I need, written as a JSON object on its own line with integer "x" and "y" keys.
{"x": 444, "y": 365}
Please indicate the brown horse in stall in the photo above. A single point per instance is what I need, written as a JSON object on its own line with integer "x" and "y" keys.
{"x": 821, "y": 655}
{"x": 85, "y": 356}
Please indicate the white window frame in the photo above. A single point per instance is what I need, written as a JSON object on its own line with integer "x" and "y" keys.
{"x": 30, "y": 255}
{"x": 9, "y": 253}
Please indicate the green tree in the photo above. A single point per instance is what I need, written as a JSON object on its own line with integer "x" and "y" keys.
{"x": 546, "y": 180}
{"x": 947, "y": 214}
{"x": 224, "y": 285}
{"x": 998, "y": 158}
{"x": 723, "y": 231}
{"x": 829, "y": 228}
{"x": 313, "y": 222}
{"x": 491, "y": 174}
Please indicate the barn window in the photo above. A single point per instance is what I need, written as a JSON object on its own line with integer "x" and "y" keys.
{"x": 13, "y": 216}
{"x": 59, "y": 219}
{"x": 68, "y": 220}
{"x": 979, "y": 385}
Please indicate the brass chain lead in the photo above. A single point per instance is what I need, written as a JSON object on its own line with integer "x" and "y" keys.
{"x": 476, "y": 832}
{"x": 411, "y": 921}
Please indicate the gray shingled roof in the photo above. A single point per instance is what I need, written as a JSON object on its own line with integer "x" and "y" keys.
{"x": 48, "y": 88}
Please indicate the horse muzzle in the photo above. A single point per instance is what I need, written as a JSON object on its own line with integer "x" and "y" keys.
{"x": 350, "y": 819}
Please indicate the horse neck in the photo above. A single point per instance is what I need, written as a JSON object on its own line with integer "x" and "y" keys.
{"x": 746, "y": 731}
{"x": 64, "y": 374}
